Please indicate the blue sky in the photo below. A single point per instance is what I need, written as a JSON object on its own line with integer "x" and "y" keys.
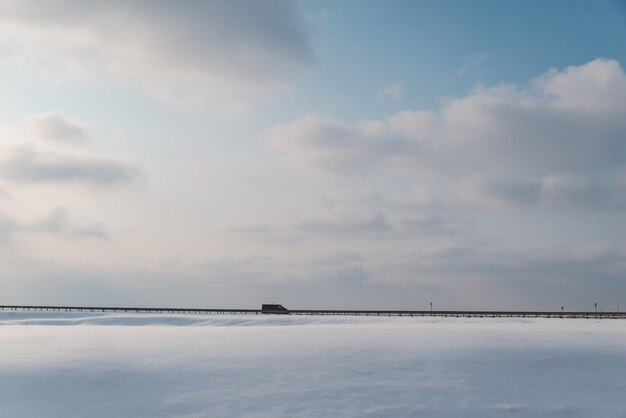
{"x": 424, "y": 46}
{"x": 319, "y": 154}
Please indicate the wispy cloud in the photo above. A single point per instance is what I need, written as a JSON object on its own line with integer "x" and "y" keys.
{"x": 471, "y": 61}
{"x": 391, "y": 92}
{"x": 59, "y": 223}
{"x": 373, "y": 224}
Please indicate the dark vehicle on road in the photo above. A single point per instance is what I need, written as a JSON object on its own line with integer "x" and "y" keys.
{"x": 268, "y": 308}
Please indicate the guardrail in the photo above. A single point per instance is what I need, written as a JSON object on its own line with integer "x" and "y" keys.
{"x": 457, "y": 314}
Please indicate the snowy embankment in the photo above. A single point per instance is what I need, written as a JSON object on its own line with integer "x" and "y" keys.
{"x": 131, "y": 365}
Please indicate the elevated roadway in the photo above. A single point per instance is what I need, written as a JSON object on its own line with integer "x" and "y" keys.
{"x": 457, "y": 314}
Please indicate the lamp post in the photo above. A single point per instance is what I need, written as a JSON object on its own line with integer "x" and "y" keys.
{"x": 596, "y": 306}
{"x": 431, "y": 306}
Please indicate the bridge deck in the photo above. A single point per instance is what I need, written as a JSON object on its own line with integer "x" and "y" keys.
{"x": 458, "y": 314}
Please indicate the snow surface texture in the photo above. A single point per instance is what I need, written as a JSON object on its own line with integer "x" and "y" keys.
{"x": 132, "y": 365}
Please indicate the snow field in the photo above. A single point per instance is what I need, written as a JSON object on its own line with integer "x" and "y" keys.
{"x": 131, "y": 365}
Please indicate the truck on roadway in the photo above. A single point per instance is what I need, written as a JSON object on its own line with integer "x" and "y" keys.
{"x": 271, "y": 308}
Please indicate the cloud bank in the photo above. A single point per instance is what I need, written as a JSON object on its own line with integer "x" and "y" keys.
{"x": 446, "y": 205}
{"x": 559, "y": 140}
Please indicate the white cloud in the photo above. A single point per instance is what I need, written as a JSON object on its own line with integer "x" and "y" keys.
{"x": 349, "y": 226}
{"x": 41, "y": 149}
{"x": 583, "y": 193}
{"x": 433, "y": 225}
{"x": 55, "y": 126}
{"x": 8, "y": 226}
{"x": 555, "y": 191}
{"x": 563, "y": 123}
{"x": 59, "y": 223}
{"x": 338, "y": 146}
{"x": 495, "y": 193}
{"x": 220, "y": 52}
{"x": 30, "y": 166}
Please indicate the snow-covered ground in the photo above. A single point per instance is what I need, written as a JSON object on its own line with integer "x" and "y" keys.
{"x": 131, "y": 365}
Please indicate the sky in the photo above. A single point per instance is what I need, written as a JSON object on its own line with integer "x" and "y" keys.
{"x": 318, "y": 154}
